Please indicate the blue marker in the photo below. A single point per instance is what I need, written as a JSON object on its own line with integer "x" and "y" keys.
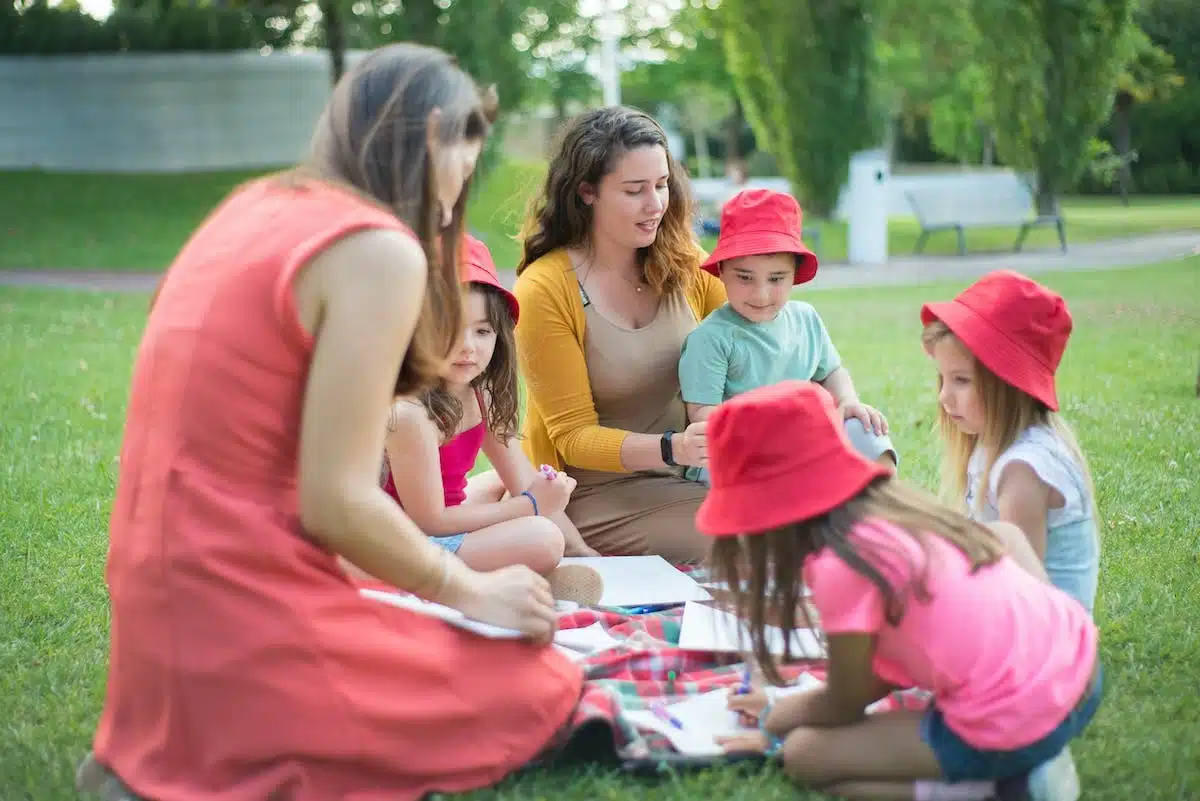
{"x": 648, "y": 608}
{"x": 745, "y": 686}
{"x": 661, "y": 712}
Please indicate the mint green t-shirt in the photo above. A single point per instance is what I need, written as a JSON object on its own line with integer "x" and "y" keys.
{"x": 726, "y": 354}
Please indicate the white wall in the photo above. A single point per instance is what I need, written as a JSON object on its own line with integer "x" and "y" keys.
{"x": 152, "y": 112}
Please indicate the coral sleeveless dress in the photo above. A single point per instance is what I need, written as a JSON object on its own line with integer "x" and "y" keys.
{"x": 244, "y": 665}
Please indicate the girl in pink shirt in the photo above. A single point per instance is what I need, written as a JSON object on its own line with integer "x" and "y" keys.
{"x": 434, "y": 440}
{"x": 909, "y": 594}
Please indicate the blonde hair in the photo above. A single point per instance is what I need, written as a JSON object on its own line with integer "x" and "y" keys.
{"x": 764, "y": 570}
{"x": 1007, "y": 413}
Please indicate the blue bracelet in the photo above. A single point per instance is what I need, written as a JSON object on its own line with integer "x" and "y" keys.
{"x": 532, "y": 500}
{"x": 774, "y": 744}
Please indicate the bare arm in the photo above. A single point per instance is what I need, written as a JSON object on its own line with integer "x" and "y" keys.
{"x": 517, "y": 475}
{"x": 412, "y": 448}
{"x": 851, "y": 687}
{"x": 699, "y": 411}
{"x": 1023, "y": 499}
{"x": 360, "y": 299}
{"x": 840, "y": 386}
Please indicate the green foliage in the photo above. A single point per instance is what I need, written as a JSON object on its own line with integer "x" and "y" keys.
{"x": 1052, "y": 76}
{"x": 806, "y": 72}
{"x": 41, "y": 29}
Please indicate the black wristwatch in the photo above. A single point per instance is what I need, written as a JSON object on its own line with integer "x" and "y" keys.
{"x": 668, "y": 452}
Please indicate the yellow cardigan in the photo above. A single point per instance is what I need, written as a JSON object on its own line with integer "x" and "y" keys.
{"x": 561, "y": 426}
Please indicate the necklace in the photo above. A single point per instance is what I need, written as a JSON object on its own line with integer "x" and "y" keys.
{"x": 589, "y": 265}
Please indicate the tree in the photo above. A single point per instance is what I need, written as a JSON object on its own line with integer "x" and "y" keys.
{"x": 806, "y": 73}
{"x": 1150, "y": 76}
{"x": 1052, "y": 77}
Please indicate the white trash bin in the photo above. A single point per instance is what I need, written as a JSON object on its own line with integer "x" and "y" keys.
{"x": 867, "y": 215}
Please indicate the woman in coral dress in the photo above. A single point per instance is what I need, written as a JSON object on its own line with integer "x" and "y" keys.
{"x": 244, "y": 664}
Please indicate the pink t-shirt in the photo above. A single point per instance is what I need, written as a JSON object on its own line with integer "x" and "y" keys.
{"x": 1005, "y": 655}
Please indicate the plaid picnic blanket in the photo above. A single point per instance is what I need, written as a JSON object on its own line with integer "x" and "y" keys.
{"x": 647, "y": 666}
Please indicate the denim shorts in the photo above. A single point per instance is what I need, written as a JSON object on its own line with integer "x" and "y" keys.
{"x": 962, "y": 761}
{"x": 451, "y": 542}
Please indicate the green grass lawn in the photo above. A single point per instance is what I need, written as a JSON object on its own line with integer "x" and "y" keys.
{"x": 139, "y": 222}
{"x": 1128, "y": 384}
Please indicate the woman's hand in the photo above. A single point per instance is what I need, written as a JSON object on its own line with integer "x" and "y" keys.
{"x": 690, "y": 446}
{"x": 553, "y": 494}
{"x": 512, "y": 597}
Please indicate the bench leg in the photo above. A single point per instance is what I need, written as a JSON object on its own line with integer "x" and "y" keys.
{"x": 1062, "y": 233}
{"x": 962, "y": 241}
{"x": 921, "y": 243}
{"x": 1021, "y": 238}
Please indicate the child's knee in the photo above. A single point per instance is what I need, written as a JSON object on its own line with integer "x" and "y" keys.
{"x": 547, "y": 544}
{"x": 803, "y": 759}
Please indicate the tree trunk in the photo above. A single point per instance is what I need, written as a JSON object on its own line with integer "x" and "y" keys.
{"x": 733, "y": 133}
{"x": 700, "y": 142}
{"x": 1047, "y": 197}
{"x": 335, "y": 37}
{"x": 1121, "y": 138}
{"x": 989, "y": 146}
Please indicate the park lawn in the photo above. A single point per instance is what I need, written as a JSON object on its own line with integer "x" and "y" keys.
{"x": 1128, "y": 383}
{"x": 139, "y": 222}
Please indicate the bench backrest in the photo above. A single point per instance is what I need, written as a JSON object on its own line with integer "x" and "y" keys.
{"x": 1007, "y": 200}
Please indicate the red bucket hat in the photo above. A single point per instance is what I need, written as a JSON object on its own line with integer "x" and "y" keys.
{"x": 779, "y": 455}
{"x": 1014, "y": 326}
{"x": 479, "y": 268}
{"x": 755, "y": 222}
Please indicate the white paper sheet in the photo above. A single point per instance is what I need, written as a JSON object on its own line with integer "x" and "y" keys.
{"x": 707, "y": 629}
{"x": 641, "y": 580}
{"x": 451, "y": 616}
{"x": 576, "y": 642}
{"x": 704, "y": 718}
{"x": 587, "y": 640}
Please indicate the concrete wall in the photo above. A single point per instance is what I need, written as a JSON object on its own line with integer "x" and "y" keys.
{"x": 151, "y": 112}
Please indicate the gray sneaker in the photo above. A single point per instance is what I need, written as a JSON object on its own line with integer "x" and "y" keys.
{"x": 1055, "y": 780}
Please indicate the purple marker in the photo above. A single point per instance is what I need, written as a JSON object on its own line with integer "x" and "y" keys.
{"x": 549, "y": 472}
{"x": 660, "y": 711}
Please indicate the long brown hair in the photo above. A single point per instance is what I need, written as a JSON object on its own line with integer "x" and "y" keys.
{"x": 373, "y": 138}
{"x": 1007, "y": 413}
{"x": 764, "y": 570}
{"x": 497, "y": 383}
{"x": 588, "y": 149}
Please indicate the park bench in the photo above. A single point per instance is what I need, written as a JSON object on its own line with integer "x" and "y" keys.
{"x": 1008, "y": 202}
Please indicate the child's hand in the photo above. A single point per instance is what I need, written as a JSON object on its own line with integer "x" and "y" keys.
{"x": 752, "y": 742}
{"x": 869, "y": 416}
{"x": 748, "y": 706}
{"x": 552, "y": 494}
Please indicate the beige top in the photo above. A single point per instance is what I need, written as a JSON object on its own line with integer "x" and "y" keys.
{"x": 634, "y": 374}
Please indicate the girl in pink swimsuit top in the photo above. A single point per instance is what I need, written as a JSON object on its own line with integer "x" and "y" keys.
{"x": 434, "y": 441}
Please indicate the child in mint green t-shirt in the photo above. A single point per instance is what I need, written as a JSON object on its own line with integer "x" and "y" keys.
{"x": 761, "y": 336}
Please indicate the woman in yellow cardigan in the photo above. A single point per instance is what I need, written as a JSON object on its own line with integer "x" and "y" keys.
{"x": 609, "y": 287}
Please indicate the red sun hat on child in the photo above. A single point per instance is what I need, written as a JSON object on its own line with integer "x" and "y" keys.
{"x": 777, "y": 455}
{"x": 479, "y": 268}
{"x": 1014, "y": 326}
{"x": 755, "y": 222}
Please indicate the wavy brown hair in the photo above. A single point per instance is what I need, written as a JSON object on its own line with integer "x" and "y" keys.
{"x": 764, "y": 570}
{"x": 588, "y": 149}
{"x": 497, "y": 383}
{"x": 373, "y": 138}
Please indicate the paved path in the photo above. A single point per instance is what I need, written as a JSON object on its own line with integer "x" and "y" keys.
{"x": 1134, "y": 252}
